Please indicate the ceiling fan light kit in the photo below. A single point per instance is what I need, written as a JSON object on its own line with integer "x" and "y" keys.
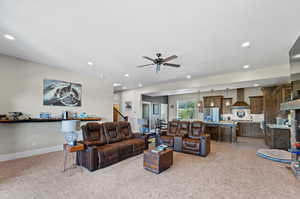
{"x": 160, "y": 61}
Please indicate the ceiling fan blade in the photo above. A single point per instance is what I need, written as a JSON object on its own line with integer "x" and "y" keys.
{"x": 150, "y": 59}
{"x": 145, "y": 65}
{"x": 172, "y": 65}
{"x": 170, "y": 58}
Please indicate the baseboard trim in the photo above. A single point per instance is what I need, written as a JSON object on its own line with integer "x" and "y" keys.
{"x": 13, "y": 156}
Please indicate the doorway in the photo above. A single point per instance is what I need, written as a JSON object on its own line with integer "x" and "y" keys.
{"x": 146, "y": 115}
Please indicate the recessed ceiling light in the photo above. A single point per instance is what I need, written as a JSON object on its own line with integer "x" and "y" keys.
{"x": 245, "y": 44}
{"x": 9, "y": 37}
{"x": 246, "y": 67}
{"x": 124, "y": 87}
{"x": 297, "y": 56}
{"x": 90, "y": 63}
{"x": 255, "y": 85}
{"x": 126, "y": 75}
{"x": 117, "y": 84}
{"x": 188, "y": 77}
{"x": 140, "y": 85}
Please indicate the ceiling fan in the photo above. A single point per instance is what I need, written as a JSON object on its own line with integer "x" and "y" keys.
{"x": 160, "y": 61}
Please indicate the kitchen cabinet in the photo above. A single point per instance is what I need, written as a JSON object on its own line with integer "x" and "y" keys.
{"x": 250, "y": 129}
{"x": 273, "y": 97}
{"x": 213, "y": 101}
{"x": 256, "y": 104}
{"x": 226, "y": 106}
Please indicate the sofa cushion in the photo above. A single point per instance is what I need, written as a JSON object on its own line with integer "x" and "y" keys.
{"x": 93, "y": 134}
{"x": 125, "y": 149}
{"x": 108, "y": 153}
{"x": 124, "y": 128}
{"x": 111, "y": 133}
{"x": 138, "y": 144}
{"x": 191, "y": 144}
{"x": 168, "y": 140}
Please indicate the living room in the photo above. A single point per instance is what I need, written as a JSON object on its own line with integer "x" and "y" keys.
{"x": 149, "y": 99}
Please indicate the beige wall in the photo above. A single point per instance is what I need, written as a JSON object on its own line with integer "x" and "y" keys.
{"x": 21, "y": 86}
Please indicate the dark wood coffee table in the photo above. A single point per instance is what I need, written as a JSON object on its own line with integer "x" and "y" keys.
{"x": 158, "y": 162}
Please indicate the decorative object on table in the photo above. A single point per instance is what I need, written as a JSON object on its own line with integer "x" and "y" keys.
{"x": 3, "y": 117}
{"x": 83, "y": 115}
{"x": 275, "y": 155}
{"x": 128, "y": 105}
{"x": 159, "y": 148}
{"x": 60, "y": 93}
{"x": 67, "y": 115}
{"x": 69, "y": 127}
{"x": 45, "y": 115}
{"x": 17, "y": 116}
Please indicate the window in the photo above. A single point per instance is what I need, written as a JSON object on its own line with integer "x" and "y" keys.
{"x": 186, "y": 110}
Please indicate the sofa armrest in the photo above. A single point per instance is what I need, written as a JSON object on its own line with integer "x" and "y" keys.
{"x": 182, "y": 135}
{"x": 88, "y": 158}
{"x": 143, "y": 137}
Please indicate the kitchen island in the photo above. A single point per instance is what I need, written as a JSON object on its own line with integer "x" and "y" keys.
{"x": 222, "y": 131}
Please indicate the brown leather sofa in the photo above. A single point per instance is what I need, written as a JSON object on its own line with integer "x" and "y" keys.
{"x": 168, "y": 139}
{"x": 196, "y": 142}
{"x": 109, "y": 143}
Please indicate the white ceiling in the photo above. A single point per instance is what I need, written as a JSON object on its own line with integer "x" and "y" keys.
{"x": 205, "y": 34}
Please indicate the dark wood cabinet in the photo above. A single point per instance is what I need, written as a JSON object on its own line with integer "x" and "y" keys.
{"x": 256, "y": 104}
{"x": 250, "y": 129}
{"x": 227, "y": 102}
{"x": 213, "y": 101}
{"x": 273, "y": 97}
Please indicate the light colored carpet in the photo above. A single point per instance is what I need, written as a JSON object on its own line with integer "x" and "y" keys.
{"x": 230, "y": 171}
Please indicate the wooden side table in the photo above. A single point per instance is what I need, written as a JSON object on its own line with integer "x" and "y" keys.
{"x": 70, "y": 150}
{"x": 158, "y": 162}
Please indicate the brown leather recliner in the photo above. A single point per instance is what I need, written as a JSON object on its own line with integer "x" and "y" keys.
{"x": 168, "y": 139}
{"x": 184, "y": 129}
{"x": 109, "y": 143}
{"x": 197, "y": 142}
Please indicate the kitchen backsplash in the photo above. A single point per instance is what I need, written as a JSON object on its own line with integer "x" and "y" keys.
{"x": 248, "y": 116}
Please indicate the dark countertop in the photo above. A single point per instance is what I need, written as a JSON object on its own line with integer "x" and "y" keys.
{"x": 223, "y": 123}
{"x": 47, "y": 120}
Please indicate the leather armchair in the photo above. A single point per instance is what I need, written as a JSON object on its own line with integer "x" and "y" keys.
{"x": 168, "y": 139}
{"x": 197, "y": 142}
